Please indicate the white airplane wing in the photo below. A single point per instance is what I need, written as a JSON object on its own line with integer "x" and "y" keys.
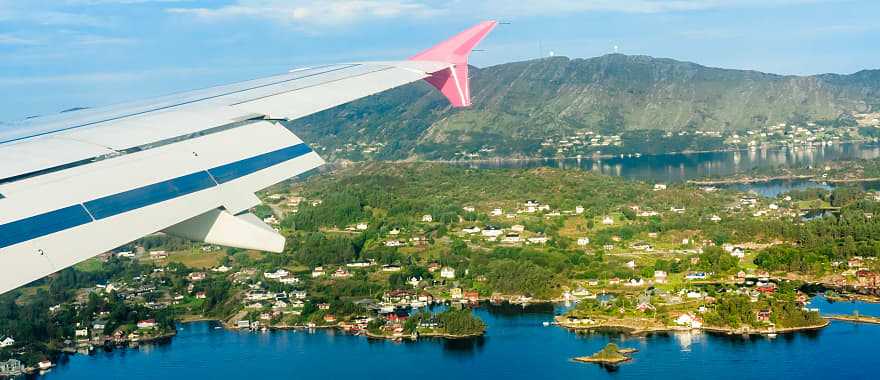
{"x": 80, "y": 183}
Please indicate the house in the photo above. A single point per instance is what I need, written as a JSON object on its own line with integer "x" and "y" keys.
{"x": 659, "y": 186}
{"x": 44, "y": 365}
{"x": 243, "y": 324}
{"x": 579, "y": 210}
{"x": 433, "y": 267}
{"x": 7, "y": 342}
{"x": 99, "y": 325}
{"x": 360, "y": 264}
{"x": 341, "y": 273}
{"x": 689, "y": 320}
{"x": 497, "y": 212}
{"x": 147, "y": 324}
{"x": 738, "y": 252}
{"x": 614, "y": 281}
{"x": 538, "y": 240}
{"x": 394, "y": 232}
{"x": 511, "y": 238}
{"x": 197, "y": 276}
{"x": 393, "y": 243}
{"x": 391, "y": 268}
{"x": 631, "y": 264}
{"x": 583, "y": 241}
{"x": 289, "y": 280}
{"x": 361, "y": 226}
{"x": 607, "y": 220}
{"x": 11, "y": 368}
{"x": 492, "y": 232}
{"x": 763, "y": 315}
{"x": 221, "y": 269}
{"x": 696, "y": 276}
{"x": 323, "y": 306}
{"x": 854, "y": 262}
{"x": 715, "y": 218}
{"x": 329, "y": 318}
{"x": 455, "y": 293}
{"x": 517, "y": 228}
{"x": 318, "y": 272}
{"x": 278, "y": 274}
{"x": 471, "y": 296}
{"x": 201, "y": 295}
{"x": 660, "y": 276}
{"x": 471, "y": 230}
{"x": 447, "y": 272}
{"x": 81, "y": 333}
{"x": 635, "y": 282}
{"x": 299, "y": 294}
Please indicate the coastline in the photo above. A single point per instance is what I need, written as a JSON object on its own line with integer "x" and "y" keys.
{"x": 634, "y": 330}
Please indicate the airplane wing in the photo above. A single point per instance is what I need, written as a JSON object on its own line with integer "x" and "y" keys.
{"x": 80, "y": 183}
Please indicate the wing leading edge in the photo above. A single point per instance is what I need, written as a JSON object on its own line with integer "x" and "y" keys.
{"x": 81, "y": 183}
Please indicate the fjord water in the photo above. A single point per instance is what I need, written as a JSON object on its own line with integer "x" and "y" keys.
{"x": 517, "y": 346}
{"x": 679, "y": 167}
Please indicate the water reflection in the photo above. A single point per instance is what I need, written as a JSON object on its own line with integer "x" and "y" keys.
{"x": 685, "y": 166}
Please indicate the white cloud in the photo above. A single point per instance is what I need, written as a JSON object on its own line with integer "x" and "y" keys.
{"x": 336, "y": 12}
{"x": 313, "y": 12}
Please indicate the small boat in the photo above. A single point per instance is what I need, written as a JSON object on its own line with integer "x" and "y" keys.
{"x": 546, "y": 324}
{"x": 771, "y": 335}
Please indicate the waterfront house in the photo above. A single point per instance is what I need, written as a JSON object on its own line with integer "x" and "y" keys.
{"x": 147, "y": 324}
{"x": 455, "y": 293}
{"x": 471, "y": 296}
{"x": 44, "y": 365}
{"x": 689, "y": 320}
{"x": 244, "y": 324}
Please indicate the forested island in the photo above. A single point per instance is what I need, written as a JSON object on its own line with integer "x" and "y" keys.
{"x": 405, "y": 250}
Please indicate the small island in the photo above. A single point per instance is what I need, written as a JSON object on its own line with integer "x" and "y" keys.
{"x": 610, "y": 355}
{"x": 450, "y": 324}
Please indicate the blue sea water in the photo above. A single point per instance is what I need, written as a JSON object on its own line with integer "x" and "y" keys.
{"x": 516, "y": 346}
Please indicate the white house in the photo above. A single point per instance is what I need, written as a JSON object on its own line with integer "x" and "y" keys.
{"x": 447, "y": 272}
{"x": 497, "y": 212}
{"x": 278, "y": 274}
{"x": 491, "y": 231}
{"x": 607, "y": 220}
{"x": 8, "y": 342}
{"x": 579, "y": 210}
{"x": 361, "y": 226}
{"x": 538, "y": 240}
{"x": 147, "y": 324}
{"x": 393, "y": 243}
{"x": 469, "y": 209}
{"x": 427, "y": 218}
{"x": 583, "y": 241}
{"x": 317, "y": 272}
{"x": 659, "y": 186}
{"x": 517, "y": 228}
{"x": 689, "y": 320}
{"x": 471, "y": 230}
{"x": 715, "y": 218}
{"x": 660, "y": 276}
{"x": 631, "y": 264}
{"x": 511, "y": 238}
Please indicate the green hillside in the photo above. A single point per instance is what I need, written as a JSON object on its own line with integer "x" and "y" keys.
{"x": 519, "y": 105}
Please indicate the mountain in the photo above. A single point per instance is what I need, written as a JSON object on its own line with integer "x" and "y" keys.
{"x": 517, "y": 105}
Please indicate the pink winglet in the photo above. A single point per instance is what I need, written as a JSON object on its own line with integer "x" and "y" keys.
{"x": 454, "y": 82}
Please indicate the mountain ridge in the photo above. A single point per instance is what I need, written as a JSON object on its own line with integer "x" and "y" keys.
{"x": 517, "y": 104}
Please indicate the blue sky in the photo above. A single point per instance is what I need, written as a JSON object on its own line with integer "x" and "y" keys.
{"x": 59, "y": 54}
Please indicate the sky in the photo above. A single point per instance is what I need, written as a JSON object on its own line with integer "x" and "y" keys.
{"x": 60, "y": 54}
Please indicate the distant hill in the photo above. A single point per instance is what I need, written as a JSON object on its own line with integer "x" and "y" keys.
{"x": 516, "y": 105}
